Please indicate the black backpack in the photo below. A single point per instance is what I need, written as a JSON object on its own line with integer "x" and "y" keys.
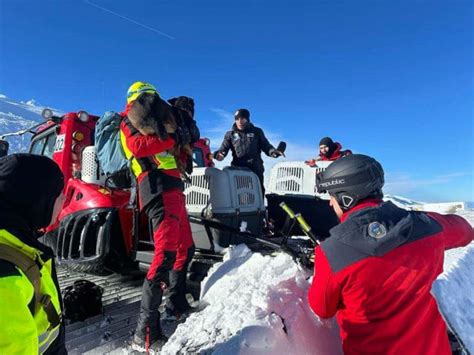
{"x": 82, "y": 300}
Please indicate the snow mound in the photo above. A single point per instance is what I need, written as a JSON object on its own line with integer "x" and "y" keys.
{"x": 454, "y": 289}
{"x": 255, "y": 304}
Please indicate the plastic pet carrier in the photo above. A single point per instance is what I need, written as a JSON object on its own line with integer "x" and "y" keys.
{"x": 295, "y": 184}
{"x": 231, "y": 196}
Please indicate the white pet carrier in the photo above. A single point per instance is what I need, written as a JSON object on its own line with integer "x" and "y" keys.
{"x": 295, "y": 178}
{"x": 231, "y": 196}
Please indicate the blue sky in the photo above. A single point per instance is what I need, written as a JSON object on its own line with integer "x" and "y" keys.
{"x": 391, "y": 79}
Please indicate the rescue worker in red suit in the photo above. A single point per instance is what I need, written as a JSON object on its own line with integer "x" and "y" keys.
{"x": 376, "y": 269}
{"x": 161, "y": 196}
{"x": 328, "y": 151}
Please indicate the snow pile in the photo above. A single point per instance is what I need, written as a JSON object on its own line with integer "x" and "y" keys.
{"x": 255, "y": 304}
{"x": 454, "y": 289}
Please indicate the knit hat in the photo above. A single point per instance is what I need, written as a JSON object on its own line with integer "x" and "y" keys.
{"x": 327, "y": 142}
{"x": 138, "y": 88}
{"x": 30, "y": 184}
{"x": 243, "y": 113}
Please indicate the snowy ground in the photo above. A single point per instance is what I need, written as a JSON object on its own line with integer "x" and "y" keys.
{"x": 454, "y": 289}
{"x": 257, "y": 304}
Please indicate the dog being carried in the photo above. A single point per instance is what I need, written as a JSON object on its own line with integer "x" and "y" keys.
{"x": 150, "y": 114}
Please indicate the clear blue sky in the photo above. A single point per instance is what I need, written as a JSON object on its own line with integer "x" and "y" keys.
{"x": 392, "y": 79}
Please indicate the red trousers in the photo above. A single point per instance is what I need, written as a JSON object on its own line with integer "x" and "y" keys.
{"x": 171, "y": 232}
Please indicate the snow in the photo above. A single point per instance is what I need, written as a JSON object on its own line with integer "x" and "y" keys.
{"x": 257, "y": 304}
{"x": 441, "y": 207}
{"x": 454, "y": 289}
{"x": 16, "y": 116}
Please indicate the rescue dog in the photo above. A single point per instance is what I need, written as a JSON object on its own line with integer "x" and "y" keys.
{"x": 150, "y": 114}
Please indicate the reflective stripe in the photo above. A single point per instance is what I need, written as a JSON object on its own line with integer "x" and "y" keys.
{"x": 47, "y": 338}
{"x": 167, "y": 160}
{"x": 163, "y": 160}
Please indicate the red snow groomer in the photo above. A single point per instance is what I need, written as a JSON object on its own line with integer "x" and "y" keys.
{"x": 100, "y": 227}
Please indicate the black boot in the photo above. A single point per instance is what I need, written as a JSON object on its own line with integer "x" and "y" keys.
{"x": 148, "y": 323}
{"x": 178, "y": 304}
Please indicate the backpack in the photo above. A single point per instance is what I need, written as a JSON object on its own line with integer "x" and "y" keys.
{"x": 109, "y": 150}
{"x": 31, "y": 270}
{"x": 82, "y": 300}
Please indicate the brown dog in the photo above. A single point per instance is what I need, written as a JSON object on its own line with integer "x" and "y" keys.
{"x": 150, "y": 114}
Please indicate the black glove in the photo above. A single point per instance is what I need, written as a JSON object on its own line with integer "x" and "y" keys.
{"x": 276, "y": 153}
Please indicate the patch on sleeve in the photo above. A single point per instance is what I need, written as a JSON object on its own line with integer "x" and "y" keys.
{"x": 8, "y": 269}
{"x": 377, "y": 230}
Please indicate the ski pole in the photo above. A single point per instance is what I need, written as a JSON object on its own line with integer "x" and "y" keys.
{"x": 301, "y": 221}
{"x": 287, "y": 209}
{"x": 306, "y": 227}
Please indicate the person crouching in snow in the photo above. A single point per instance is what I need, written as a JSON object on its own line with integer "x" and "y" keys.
{"x": 376, "y": 269}
{"x": 328, "y": 151}
{"x": 161, "y": 196}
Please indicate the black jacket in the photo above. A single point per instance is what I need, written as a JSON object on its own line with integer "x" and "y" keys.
{"x": 246, "y": 147}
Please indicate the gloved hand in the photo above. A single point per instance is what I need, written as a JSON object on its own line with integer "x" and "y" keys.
{"x": 276, "y": 153}
{"x": 218, "y": 156}
{"x": 311, "y": 163}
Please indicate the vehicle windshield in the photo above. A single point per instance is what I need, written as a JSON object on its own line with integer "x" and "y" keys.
{"x": 43, "y": 144}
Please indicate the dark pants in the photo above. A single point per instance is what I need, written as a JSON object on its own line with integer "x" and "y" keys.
{"x": 260, "y": 177}
{"x": 257, "y": 171}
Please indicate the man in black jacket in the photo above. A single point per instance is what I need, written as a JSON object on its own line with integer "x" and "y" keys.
{"x": 246, "y": 143}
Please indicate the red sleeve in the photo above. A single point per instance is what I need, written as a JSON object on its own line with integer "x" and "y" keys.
{"x": 457, "y": 232}
{"x": 325, "y": 293}
{"x": 144, "y": 146}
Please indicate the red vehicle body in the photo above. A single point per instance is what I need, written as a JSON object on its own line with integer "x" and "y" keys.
{"x": 99, "y": 227}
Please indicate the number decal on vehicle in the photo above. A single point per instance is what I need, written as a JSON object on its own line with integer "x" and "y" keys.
{"x": 59, "y": 145}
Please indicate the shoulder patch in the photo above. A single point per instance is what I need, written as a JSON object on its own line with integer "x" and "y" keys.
{"x": 8, "y": 269}
{"x": 377, "y": 230}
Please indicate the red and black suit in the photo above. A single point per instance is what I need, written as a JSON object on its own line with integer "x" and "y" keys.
{"x": 375, "y": 272}
{"x": 161, "y": 196}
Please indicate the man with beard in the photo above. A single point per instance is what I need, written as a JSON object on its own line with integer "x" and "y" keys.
{"x": 329, "y": 151}
{"x": 246, "y": 142}
{"x": 30, "y": 298}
